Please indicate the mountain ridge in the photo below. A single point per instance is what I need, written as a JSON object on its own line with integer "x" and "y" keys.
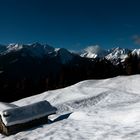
{"x": 39, "y": 50}
{"x": 65, "y": 56}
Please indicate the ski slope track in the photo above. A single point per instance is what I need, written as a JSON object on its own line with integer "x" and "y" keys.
{"x": 90, "y": 110}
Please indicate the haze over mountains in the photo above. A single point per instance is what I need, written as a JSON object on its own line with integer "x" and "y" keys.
{"x": 33, "y": 68}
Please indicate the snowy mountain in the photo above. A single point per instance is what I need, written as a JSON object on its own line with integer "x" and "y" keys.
{"x": 117, "y": 53}
{"x": 34, "y": 49}
{"x": 37, "y": 50}
{"x": 41, "y": 50}
{"x": 101, "y": 109}
{"x": 111, "y": 54}
{"x": 136, "y": 51}
{"x": 93, "y": 52}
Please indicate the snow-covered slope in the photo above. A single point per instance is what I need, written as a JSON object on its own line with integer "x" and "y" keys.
{"x": 90, "y": 110}
{"x": 4, "y": 106}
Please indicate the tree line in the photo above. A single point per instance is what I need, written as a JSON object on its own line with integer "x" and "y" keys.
{"x": 31, "y": 76}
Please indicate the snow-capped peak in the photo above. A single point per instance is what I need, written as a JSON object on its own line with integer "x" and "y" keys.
{"x": 136, "y": 51}
{"x": 111, "y": 54}
{"x": 35, "y": 49}
{"x": 93, "y": 52}
{"x": 57, "y": 49}
{"x": 13, "y": 47}
{"x": 117, "y": 53}
{"x": 39, "y": 50}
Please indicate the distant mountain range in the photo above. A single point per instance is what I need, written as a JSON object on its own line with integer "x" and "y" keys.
{"x": 36, "y": 50}
{"x": 30, "y": 69}
{"x": 110, "y": 54}
{"x": 40, "y": 50}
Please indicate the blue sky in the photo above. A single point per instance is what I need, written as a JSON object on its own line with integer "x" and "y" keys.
{"x": 72, "y": 24}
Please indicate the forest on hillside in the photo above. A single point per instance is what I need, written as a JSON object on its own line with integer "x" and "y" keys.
{"x": 30, "y": 76}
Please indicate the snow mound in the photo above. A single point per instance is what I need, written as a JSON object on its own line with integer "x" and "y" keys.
{"x": 4, "y": 106}
{"x": 79, "y": 116}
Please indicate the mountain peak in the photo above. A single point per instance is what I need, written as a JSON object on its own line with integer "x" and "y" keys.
{"x": 117, "y": 53}
{"x": 64, "y": 55}
{"x": 35, "y": 49}
{"x": 14, "y": 46}
{"x": 93, "y": 52}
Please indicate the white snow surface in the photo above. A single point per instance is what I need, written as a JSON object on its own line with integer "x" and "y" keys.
{"x": 4, "y": 106}
{"x": 90, "y": 110}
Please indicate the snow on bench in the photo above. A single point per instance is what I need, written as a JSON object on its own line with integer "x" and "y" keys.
{"x": 12, "y": 114}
